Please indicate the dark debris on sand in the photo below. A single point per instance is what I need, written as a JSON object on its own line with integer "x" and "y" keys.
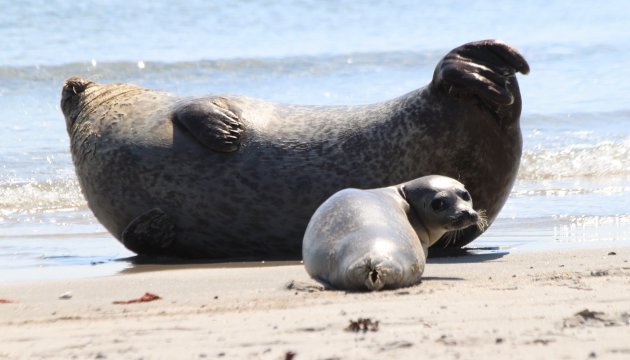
{"x": 587, "y": 317}
{"x": 362, "y": 325}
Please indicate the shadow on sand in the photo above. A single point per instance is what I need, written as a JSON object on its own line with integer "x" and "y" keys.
{"x": 139, "y": 264}
{"x": 465, "y": 255}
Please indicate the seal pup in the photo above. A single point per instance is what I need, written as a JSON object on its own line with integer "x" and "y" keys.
{"x": 378, "y": 238}
{"x": 227, "y": 177}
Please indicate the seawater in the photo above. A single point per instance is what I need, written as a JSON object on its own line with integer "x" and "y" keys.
{"x": 573, "y": 186}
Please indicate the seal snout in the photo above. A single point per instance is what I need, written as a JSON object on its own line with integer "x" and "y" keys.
{"x": 470, "y": 218}
{"x": 465, "y": 218}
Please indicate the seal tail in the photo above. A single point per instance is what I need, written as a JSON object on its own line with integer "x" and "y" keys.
{"x": 374, "y": 279}
{"x": 375, "y": 273}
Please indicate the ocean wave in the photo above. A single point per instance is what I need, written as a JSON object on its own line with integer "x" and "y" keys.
{"x": 41, "y": 196}
{"x": 568, "y": 191}
{"x": 559, "y": 229}
{"x": 591, "y": 228}
{"x": 123, "y": 70}
{"x": 603, "y": 159}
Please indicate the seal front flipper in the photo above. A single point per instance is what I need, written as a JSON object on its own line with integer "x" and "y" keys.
{"x": 151, "y": 233}
{"x": 483, "y": 68}
{"x": 211, "y": 122}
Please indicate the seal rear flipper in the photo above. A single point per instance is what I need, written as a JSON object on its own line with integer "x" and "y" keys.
{"x": 211, "y": 122}
{"x": 374, "y": 273}
{"x": 151, "y": 233}
{"x": 482, "y": 68}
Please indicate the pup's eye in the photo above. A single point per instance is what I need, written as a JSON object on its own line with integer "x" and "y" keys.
{"x": 438, "y": 204}
{"x": 465, "y": 196}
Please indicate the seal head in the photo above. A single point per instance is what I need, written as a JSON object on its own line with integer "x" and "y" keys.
{"x": 71, "y": 98}
{"x": 441, "y": 205}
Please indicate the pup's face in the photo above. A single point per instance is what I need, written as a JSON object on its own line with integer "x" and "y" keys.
{"x": 441, "y": 203}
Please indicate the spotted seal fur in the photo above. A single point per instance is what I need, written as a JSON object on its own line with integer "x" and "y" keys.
{"x": 236, "y": 177}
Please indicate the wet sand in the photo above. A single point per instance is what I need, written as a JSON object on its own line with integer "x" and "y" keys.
{"x": 572, "y": 304}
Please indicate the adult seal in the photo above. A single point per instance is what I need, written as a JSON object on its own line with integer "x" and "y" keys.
{"x": 378, "y": 238}
{"x": 235, "y": 177}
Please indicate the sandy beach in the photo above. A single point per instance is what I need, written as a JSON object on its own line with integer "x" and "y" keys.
{"x": 64, "y": 294}
{"x": 568, "y": 304}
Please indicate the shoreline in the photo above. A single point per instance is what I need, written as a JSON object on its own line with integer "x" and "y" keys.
{"x": 518, "y": 304}
{"x": 99, "y": 266}
{"x": 70, "y": 257}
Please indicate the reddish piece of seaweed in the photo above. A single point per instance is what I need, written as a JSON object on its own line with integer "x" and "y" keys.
{"x": 144, "y": 298}
{"x": 5, "y": 301}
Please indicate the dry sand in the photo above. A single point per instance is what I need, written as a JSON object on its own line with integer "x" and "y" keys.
{"x": 569, "y": 304}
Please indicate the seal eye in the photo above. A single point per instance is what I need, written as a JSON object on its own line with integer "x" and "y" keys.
{"x": 438, "y": 204}
{"x": 465, "y": 196}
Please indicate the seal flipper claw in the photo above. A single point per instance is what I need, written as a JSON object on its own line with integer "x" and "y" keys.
{"x": 216, "y": 127}
{"x": 494, "y": 54}
{"x": 464, "y": 79}
{"x": 482, "y": 68}
{"x": 151, "y": 233}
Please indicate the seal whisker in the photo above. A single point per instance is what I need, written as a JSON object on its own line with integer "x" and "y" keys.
{"x": 482, "y": 222}
{"x": 451, "y": 237}
{"x": 446, "y": 239}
